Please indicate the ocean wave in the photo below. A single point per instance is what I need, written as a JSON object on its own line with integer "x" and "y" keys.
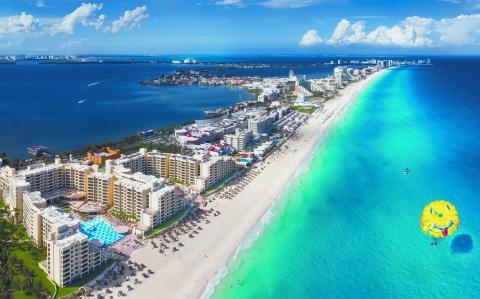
{"x": 261, "y": 225}
{"x": 247, "y": 242}
{"x": 259, "y": 228}
{"x": 252, "y": 236}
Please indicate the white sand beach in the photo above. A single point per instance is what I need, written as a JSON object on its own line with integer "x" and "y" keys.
{"x": 187, "y": 272}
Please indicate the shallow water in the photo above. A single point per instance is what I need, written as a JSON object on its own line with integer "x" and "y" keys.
{"x": 349, "y": 226}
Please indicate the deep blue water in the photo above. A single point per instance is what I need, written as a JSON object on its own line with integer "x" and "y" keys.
{"x": 349, "y": 227}
{"x": 40, "y": 102}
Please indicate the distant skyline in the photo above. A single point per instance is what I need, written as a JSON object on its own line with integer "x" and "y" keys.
{"x": 155, "y": 27}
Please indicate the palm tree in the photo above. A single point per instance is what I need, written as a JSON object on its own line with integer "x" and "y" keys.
{"x": 15, "y": 214}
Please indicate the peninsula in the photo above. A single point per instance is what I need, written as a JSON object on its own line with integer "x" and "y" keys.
{"x": 150, "y": 220}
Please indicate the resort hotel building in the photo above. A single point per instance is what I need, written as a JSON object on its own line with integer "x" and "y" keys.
{"x": 126, "y": 185}
{"x": 240, "y": 140}
{"x": 71, "y": 258}
{"x": 141, "y": 189}
{"x": 261, "y": 125}
{"x": 131, "y": 195}
{"x": 197, "y": 173}
{"x": 213, "y": 171}
{"x": 100, "y": 188}
{"x": 69, "y": 253}
{"x": 163, "y": 204}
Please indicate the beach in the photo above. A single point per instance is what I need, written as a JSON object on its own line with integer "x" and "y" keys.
{"x": 188, "y": 272}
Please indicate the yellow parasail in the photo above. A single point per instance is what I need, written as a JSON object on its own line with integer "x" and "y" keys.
{"x": 439, "y": 219}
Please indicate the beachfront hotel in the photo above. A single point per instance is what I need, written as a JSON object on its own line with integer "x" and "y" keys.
{"x": 126, "y": 185}
{"x": 33, "y": 204}
{"x": 75, "y": 175}
{"x": 214, "y": 170}
{"x": 183, "y": 168}
{"x": 53, "y": 181}
{"x": 69, "y": 253}
{"x": 261, "y": 125}
{"x": 198, "y": 172}
{"x": 171, "y": 166}
{"x": 44, "y": 178}
{"x": 240, "y": 140}
{"x": 100, "y": 188}
{"x": 12, "y": 192}
{"x": 30, "y": 193}
{"x": 72, "y": 257}
{"x": 163, "y": 204}
{"x": 130, "y": 196}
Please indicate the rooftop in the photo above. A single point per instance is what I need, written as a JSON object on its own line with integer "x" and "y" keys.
{"x": 72, "y": 239}
{"x": 43, "y": 168}
{"x": 132, "y": 184}
{"x": 34, "y": 197}
{"x": 147, "y": 179}
{"x": 101, "y": 175}
{"x": 57, "y": 217}
{"x": 164, "y": 190}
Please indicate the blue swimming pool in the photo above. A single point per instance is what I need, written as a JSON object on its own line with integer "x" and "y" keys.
{"x": 245, "y": 160}
{"x": 98, "y": 228}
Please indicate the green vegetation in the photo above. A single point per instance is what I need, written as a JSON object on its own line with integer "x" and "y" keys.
{"x": 20, "y": 274}
{"x": 66, "y": 209}
{"x": 31, "y": 259}
{"x": 101, "y": 168}
{"x": 179, "y": 215}
{"x": 21, "y": 233}
{"x": 12, "y": 162}
{"x": 219, "y": 183}
{"x": 2, "y": 203}
{"x": 304, "y": 109}
{"x": 255, "y": 91}
{"x": 161, "y": 147}
{"x": 74, "y": 286}
{"x": 123, "y": 215}
{"x": 177, "y": 181}
{"x": 133, "y": 143}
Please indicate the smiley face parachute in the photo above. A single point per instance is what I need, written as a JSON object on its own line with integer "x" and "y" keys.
{"x": 439, "y": 219}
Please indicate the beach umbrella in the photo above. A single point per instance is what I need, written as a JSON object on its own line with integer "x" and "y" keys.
{"x": 439, "y": 219}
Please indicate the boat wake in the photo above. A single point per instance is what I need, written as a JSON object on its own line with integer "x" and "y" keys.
{"x": 81, "y": 101}
{"x": 93, "y": 84}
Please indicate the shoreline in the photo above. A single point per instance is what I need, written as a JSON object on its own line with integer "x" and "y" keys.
{"x": 197, "y": 268}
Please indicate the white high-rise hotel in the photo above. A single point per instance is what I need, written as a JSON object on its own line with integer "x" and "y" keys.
{"x": 135, "y": 184}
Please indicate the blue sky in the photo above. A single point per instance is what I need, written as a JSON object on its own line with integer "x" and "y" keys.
{"x": 239, "y": 26}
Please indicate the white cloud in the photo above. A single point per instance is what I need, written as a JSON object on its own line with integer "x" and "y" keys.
{"x": 40, "y": 3}
{"x": 470, "y": 4}
{"x": 130, "y": 19}
{"x": 310, "y": 38}
{"x": 72, "y": 43}
{"x": 340, "y": 31}
{"x": 412, "y": 32}
{"x": 289, "y": 3}
{"x": 17, "y": 24}
{"x": 84, "y": 15}
{"x": 228, "y": 2}
{"x": 452, "y": 1}
{"x": 462, "y": 30}
{"x": 10, "y": 44}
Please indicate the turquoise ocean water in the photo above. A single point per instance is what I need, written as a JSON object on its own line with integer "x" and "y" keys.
{"x": 348, "y": 227}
